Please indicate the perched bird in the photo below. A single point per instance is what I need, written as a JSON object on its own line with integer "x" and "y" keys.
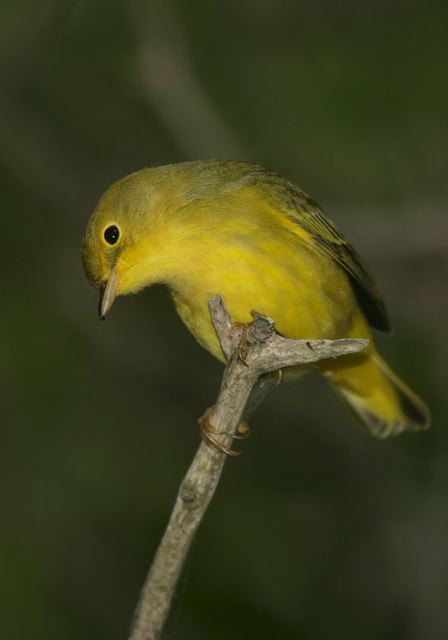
{"x": 255, "y": 238}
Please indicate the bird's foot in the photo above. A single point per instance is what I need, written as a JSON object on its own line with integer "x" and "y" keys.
{"x": 242, "y": 431}
{"x": 211, "y": 436}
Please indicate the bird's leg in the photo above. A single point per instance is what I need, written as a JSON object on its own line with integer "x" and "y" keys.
{"x": 239, "y": 331}
{"x": 242, "y": 336}
{"x": 211, "y": 435}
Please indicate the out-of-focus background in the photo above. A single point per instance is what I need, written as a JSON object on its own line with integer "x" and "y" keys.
{"x": 318, "y": 531}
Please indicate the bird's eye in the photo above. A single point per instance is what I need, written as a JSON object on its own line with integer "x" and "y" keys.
{"x": 111, "y": 234}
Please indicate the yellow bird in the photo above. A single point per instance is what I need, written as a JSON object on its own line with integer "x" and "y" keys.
{"x": 239, "y": 230}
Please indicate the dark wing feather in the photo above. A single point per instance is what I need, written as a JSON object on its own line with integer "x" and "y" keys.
{"x": 307, "y": 214}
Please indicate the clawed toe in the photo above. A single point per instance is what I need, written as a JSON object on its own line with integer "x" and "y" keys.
{"x": 242, "y": 431}
{"x": 216, "y": 445}
{"x": 212, "y": 436}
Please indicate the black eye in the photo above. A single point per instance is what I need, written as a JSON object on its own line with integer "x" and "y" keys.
{"x": 111, "y": 234}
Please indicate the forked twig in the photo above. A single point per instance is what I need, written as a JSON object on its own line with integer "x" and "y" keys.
{"x": 264, "y": 352}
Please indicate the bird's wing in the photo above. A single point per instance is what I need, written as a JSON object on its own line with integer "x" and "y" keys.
{"x": 306, "y": 213}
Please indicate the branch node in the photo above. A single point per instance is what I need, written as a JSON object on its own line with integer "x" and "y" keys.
{"x": 188, "y": 493}
{"x": 261, "y": 329}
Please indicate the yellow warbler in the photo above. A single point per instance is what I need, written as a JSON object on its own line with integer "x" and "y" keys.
{"x": 259, "y": 241}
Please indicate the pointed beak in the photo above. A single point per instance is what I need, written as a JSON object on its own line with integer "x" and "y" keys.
{"x": 108, "y": 294}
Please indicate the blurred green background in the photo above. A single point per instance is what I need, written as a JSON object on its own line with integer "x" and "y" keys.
{"x": 318, "y": 531}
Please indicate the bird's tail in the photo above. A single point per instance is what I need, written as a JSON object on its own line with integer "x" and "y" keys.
{"x": 378, "y": 397}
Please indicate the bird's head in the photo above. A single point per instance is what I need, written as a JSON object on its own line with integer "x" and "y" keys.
{"x": 157, "y": 225}
{"x": 125, "y": 244}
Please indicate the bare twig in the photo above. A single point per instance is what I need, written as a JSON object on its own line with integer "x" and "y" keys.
{"x": 264, "y": 351}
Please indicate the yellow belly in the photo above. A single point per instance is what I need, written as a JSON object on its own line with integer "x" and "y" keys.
{"x": 305, "y": 293}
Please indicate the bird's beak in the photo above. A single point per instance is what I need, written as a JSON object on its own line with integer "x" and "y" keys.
{"x": 108, "y": 294}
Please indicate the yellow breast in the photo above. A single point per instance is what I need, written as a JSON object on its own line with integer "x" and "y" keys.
{"x": 270, "y": 271}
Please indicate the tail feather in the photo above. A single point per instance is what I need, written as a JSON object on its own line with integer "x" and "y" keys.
{"x": 378, "y": 397}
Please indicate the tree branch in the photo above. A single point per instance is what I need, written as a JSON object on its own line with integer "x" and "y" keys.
{"x": 253, "y": 352}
